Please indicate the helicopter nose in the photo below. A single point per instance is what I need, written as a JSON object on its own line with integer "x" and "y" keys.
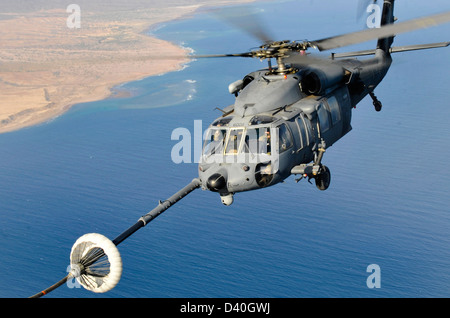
{"x": 216, "y": 182}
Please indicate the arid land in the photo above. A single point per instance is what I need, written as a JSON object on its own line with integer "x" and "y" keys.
{"x": 46, "y": 67}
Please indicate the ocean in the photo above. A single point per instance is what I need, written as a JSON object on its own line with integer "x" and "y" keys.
{"x": 102, "y": 165}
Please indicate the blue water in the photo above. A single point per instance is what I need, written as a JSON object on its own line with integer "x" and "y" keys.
{"x": 102, "y": 165}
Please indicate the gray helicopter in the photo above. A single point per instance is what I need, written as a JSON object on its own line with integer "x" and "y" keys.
{"x": 285, "y": 117}
{"x": 282, "y": 121}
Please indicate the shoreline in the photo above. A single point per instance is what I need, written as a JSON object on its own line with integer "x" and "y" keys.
{"x": 45, "y": 69}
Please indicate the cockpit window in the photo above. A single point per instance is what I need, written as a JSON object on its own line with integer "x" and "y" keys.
{"x": 222, "y": 121}
{"x": 257, "y": 141}
{"x": 214, "y": 143}
{"x": 261, "y": 119}
{"x": 234, "y": 141}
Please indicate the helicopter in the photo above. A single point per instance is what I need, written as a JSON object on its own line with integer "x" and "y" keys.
{"x": 285, "y": 117}
{"x": 283, "y": 120}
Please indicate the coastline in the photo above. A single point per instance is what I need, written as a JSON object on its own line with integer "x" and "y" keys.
{"x": 46, "y": 67}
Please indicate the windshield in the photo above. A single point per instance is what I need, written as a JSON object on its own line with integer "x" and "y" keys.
{"x": 214, "y": 143}
{"x": 257, "y": 141}
{"x": 234, "y": 141}
{"x": 220, "y": 141}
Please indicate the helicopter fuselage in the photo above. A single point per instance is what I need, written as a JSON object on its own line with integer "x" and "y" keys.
{"x": 282, "y": 122}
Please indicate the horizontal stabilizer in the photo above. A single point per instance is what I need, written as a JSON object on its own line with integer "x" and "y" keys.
{"x": 393, "y": 49}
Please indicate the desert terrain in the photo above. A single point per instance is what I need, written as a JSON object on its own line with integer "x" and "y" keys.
{"x": 49, "y": 63}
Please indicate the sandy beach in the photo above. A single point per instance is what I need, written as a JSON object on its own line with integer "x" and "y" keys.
{"x": 47, "y": 66}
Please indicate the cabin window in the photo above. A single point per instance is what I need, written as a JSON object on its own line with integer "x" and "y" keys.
{"x": 334, "y": 109}
{"x": 285, "y": 138}
{"x": 309, "y": 130}
{"x": 257, "y": 141}
{"x": 222, "y": 121}
{"x": 324, "y": 121}
{"x": 302, "y": 132}
{"x": 261, "y": 119}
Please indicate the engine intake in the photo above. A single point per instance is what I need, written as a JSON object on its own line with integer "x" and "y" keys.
{"x": 317, "y": 80}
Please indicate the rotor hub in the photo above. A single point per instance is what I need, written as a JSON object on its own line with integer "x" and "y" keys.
{"x": 279, "y": 50}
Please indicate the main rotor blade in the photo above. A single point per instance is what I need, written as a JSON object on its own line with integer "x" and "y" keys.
{"x": 385, "y": 31}
{"x": 185, "y": 57}
{"x": 244, "y": 18}
{"x": 247, "y": 54}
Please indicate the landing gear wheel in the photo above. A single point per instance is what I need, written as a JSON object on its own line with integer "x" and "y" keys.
{"x": 377, "y": 105}
{"x": 323, "y": 179}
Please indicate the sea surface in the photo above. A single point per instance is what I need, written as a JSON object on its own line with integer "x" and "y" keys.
{"x": 102, "y": 165}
